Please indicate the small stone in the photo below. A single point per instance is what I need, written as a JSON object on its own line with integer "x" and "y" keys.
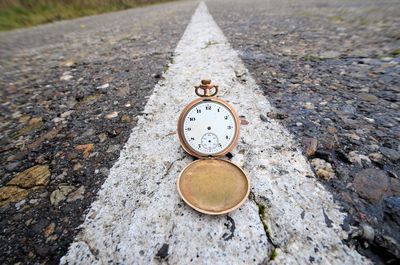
{"x": 41, "y": 159}
{"x": 299, "y": 124}
{"x": 369, "y": 120}
{"x": 66, "y": 114}
{"x": 368, "y": 232}
{"x": 371, "y": 184}
{"x": 331, "y": 130}
{"x": 66, "y": 76}
{"x": 105, "y": 86}
{"x": 69, "y": 63}
{"x": 60, "y": 194}
{"x": 86, "y": 149}
{"x": 373, "y": 147}
{"x": 394, "y": 187}
{"x": 56, "y": 197}
{"x": 277, "y": 115}
{"x": 376, "y": 157}
{"x": 112, "y": 148}
{"x": 34, "y": 176}
{"x": 76, "y": 195}
{"x": 386, "y": 59}
{"x": 127, "y": 105}
{"x": 33, "y": 124}
{"x": 19, "y": 204}
{"x": 368, "y": 97}
{"x": 77, "y": 167}
{"x": 102, "y": 137}
{"x": 342, "y": 173}
{"x": 392, "y": 208}
{"x": 58, "y": 119}
{"x": 12, "y": 194}
{"x": 390, "y": 153}
{"x": 352, "y": 136}
{"x": 88, "y": 133}
{"x": 11, "y": 166}
{"x": 112, "y": 115}
{"x": 49, "y": 230}
{"x": 310, "y": 146}
{"x": 354, "y": 157}
{"x": 308, "y": 105}
{"x": 322, "y": 168}
{"x": 125, "y": 118}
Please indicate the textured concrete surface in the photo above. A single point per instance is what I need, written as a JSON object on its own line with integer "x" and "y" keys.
{"x": 332, "y": 71}
{"x": 138, "y": 216}
{"x": 69, "y": 96}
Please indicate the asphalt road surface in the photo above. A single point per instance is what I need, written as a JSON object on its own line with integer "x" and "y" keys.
{"x": 72, "y": 91}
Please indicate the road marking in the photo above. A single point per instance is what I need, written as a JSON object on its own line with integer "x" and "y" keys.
{"x": 138, "y": 217}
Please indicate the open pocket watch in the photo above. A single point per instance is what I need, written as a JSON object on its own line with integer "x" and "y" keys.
{"x": 208, "y": 129}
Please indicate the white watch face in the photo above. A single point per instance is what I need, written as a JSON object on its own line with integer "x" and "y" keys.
{"x": 209, "y": 127}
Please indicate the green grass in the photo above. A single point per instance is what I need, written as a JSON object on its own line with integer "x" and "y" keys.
{"x": 25, "y": 13}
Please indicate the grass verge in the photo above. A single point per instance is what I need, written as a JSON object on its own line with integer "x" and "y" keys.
{"x": 25, "y": 13}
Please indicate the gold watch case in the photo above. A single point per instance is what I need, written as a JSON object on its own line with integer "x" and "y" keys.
{"x": 211, "y": 185}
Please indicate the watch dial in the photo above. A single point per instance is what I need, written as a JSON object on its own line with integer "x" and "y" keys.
{"x": 209, "y": 127}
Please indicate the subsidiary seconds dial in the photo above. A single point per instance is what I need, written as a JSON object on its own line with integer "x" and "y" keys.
{"x": 209, "y": 127}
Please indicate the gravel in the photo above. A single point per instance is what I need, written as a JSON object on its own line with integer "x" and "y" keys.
{"x": 59, "y": 82}
{"x": 331, "y": 67}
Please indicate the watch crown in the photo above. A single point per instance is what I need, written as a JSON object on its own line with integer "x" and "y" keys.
{"x": 207, "y": 87}
{"x": 205, "y": 81}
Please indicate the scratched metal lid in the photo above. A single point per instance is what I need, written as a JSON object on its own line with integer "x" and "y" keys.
{"x": 213, "y": 186}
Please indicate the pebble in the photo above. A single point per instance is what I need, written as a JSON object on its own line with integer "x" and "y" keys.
{"x": 11, "y": 166}
{"x": 77, "y": 166}
{"x": 368, "y": 97}
{"x": 368, "y": 232}
{"x": 112, "y": 115}
{"x": 392, "y": 207}
{"x": 104, "y": 86}
{"x": 102, "y": 137}
{"x": 322, "y": 168}
{"x": 89, "y": 132}
{"x": 277, "y": 115}
{"x": 12, "y": 194}
{"x": 56, "y": 197}
{"x": 390, "y": 153}
{"x": 376, "y": 157}
{"x": 66, "y": 114}
{"x": 356, "y": 158}
{"x": 310, "y": 146}
{"x": 125, "y": 118}
{"x": 113, "y": 148}
{"x": 35, "y": 176}
{"x": 76, "y": 195}
{"x": 371, "y": 184}
{"x": 86, "y": 149}
{"x": 60, "y": 194}
{"x": 19, "y": 204}
{"x": 308, "y": 105}
{"x": 49, "y": 230}
{"x": 66, "y": 76}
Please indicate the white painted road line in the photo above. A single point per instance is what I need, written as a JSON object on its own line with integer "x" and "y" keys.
{"x": 139, "y": 218}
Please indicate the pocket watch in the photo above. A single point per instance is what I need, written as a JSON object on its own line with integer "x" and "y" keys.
{"x": 208, "y": 129}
